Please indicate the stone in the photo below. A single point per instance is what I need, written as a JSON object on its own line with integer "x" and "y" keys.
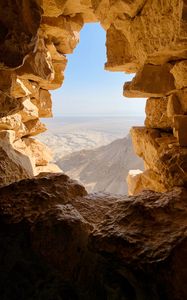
{"x": 179, "y": 72}
{"x": 40, "y": 152}
{"x": 63, "y": 32}
{"x": 174, "y": 106}
{"x": 34, "y": 127}
{"x": 162, "y": 154}
{"x": 11, "y": 122}
{"x": 43, "y": 104}
{"x": 38, "y": 66}
{"x": 83, "y": 7}
{"x": 139, "y": 181}
{"x": 162, "y": 44}
{"x": 29, "y": 110}
{"x": 16, "y": 162}
{"x": 182, "y": 95}
{"x": 157, "y": 113}
{"x": 50, "y": 227}
{"x": 134, "y": 182}
{"x": 49, "y": 168}
{"x": 180, "y": 123}
{"x": 9, "y": 105}
{"x": 119, "y": 57}
{"x": 53, "y": 8}
{"x": 19, "y": 27}
{"x": 107, "y": 11}
{"x": 12, "y": 86}
{"x": 183, "y": 27}
{"x": 151, "y": 81}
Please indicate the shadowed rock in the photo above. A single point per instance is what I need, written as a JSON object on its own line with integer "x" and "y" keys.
{"x": 60, "y": 243}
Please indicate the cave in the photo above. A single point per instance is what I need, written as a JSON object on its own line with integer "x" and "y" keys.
{"x": 58, "y": 241}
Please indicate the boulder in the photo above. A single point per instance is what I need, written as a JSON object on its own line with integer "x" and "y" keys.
{"x": 61, "y": 243}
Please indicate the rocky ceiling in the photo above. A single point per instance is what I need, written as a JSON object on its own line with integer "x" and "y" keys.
{"x": 145, "y": 37}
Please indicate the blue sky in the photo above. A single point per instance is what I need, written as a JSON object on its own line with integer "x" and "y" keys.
{"x": 90, "y": 90}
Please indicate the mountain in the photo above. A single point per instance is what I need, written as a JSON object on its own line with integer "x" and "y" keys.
{"x": 103, "y": 169}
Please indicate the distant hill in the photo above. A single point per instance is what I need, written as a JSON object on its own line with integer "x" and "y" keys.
{"x": 103, "y": 169}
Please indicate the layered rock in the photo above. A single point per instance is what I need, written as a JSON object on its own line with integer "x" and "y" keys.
{"x": 142, "y": 36}
{"x": 58, "y": 242}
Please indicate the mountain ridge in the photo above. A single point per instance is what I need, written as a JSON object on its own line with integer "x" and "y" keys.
{"x": 103, "y": 169}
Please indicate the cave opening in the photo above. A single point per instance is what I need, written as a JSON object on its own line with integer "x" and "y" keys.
{"x": 89, "y": 131}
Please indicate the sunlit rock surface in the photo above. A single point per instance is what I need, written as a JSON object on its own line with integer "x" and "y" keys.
{"x": 57, "y": 242}
{"x": 142, "y": 36}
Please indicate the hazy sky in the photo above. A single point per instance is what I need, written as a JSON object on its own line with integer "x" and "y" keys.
{"x": 88, "y": 89}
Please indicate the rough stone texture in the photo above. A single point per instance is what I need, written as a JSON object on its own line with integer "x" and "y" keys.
{"x": 158, "y": 32}
{"x": 179, "y": 72}
{"x": 157, "y": 113}
{"x": 19, "y": 25}
{"x": 40, "y": 152}
{"x": 57, "y": 242}
{"x": 146, "y": 37}
{"x": 151, "y": 81}
{"x": 139, "y": 181}
{"x": 162, "y": 154}
{"x": 180, "y": 123}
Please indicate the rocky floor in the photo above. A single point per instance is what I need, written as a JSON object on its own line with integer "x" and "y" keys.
{"x": 58, "y": 242}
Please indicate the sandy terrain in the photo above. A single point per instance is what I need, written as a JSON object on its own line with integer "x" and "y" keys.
{"x": 103, "y": 169}
{"x": 94, "y": 151}
{"x": 69, "y": 134}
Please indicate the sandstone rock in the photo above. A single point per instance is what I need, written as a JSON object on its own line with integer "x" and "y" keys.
{"x": 83, "y": 7}
{"x": 49, "y": 168}
{"x": 12, "y": 86}
{"x": 139, "y": 181}
{"x": 32, "y": 87}
{"x": 180, "y": 123}
{"x": 16, "y": 162}
{"x": 34, "y": 127}
{"x": 40, "y": 152}
{"x": 19, "y": 25}
{"x": 38, "y": 66}
{"x": 63, "y": 32}
{"x": 134, "y": 182}
{"x": 174, "y": 106}
{"x": 157, "y": 115}
{"x": 53, "y": 8}
{"x": 29, "y": 110}
{"x": 183, "y": 25}
{"x": 119, "y": 57}
{"x": 118, "y": 246}
{"x": 107, "y": 11}
{"x": 12, "y": 122}
{"x": 59, "y": 63}
{"x": 155, "y": 33}
{"x": 179, "y": 72}
{"x": 162, "y": 154}
{"x": 10, "y": 171}
{"x": 43, "y": 103}
{"x": 9, "y": 105}
{"x": 151, "y": 81}
{"x": 182, "y": 95}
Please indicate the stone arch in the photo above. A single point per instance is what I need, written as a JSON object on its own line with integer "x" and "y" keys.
{"x": 142, "y": 36}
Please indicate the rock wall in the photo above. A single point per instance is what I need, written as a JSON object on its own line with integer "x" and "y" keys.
{"x": 57, "y": 242}
{"x": 145, "y": 37}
